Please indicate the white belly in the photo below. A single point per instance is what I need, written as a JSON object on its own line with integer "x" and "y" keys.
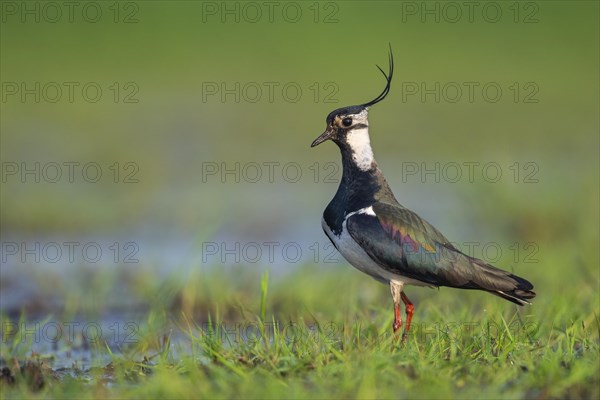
{"x": 360, "y": 260}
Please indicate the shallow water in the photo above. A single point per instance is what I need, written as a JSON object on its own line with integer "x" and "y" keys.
{"x": 40, "y": 272}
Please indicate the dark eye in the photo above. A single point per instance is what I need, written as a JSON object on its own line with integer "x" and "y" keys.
{"x": 347, "y": 122}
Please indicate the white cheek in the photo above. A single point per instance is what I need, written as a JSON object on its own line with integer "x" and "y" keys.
{"x": 360, "y": 144}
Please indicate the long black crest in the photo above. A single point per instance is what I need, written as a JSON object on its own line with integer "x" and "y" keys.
{"x": 388, "y": 78}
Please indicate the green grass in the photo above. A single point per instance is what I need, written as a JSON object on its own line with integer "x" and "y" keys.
{"x": 462, "y": 344}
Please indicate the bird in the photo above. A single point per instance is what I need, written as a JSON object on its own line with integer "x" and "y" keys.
{"x": 382, "y": 238}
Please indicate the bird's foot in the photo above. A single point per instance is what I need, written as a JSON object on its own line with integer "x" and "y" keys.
{"x": 404, "y": 337}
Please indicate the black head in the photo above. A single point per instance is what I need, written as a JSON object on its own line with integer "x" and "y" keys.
{"x": 343, "y": 120}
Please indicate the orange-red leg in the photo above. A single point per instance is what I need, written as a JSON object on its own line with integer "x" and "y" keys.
{"x": 397, "y": 319}
{"x": 410, "y": 308}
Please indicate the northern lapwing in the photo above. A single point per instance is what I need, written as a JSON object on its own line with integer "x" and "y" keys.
{"x": 387, "y": 241}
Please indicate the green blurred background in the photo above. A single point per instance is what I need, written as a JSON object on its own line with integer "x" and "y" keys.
{"x": 164, "y": 56}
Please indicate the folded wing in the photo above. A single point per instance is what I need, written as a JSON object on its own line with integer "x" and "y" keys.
{"x": 405, "y": 244}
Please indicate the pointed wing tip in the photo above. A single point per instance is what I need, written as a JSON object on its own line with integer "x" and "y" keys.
{"x": 518, "y": 299}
